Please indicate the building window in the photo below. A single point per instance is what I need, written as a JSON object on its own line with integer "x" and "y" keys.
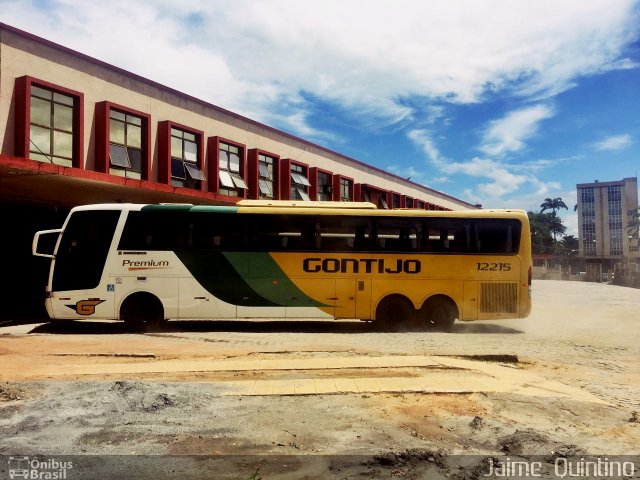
{"x": 125, "y": 144}
{"x": 299, "y": 183}
{"x": 346, "y": 189}
{"x": 587, "y": 195}
{"x": 185, "y": 171}
{"x": 588, "y": 213}
{"x": 589, "y": 238}
{"x": 231, "y": 181}
{"x": 51, "y": 129}
{"x": 266, "y": 174}
{"x": 396, "y": 200}
{"x": 614, "y": 200}
{"x": 324, "y": 186}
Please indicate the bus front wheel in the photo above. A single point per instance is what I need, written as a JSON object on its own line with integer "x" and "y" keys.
{"x": 438, "y": 313}
{"x": 142, "y": 312}
{"x": 394, "y": 313}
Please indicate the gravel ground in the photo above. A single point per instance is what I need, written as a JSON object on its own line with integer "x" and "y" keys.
{"x": 62, "y": 392}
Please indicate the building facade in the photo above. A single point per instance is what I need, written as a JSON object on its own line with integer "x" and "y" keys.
{"x": 77, "y": 130}
{"x": 606, "y": 211}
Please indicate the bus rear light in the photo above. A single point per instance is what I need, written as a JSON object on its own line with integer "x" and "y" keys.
{"x": 529, "y": 275}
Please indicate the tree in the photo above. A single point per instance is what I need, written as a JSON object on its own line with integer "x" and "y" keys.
{"x": 541, "y": 237}
{"x": 569, "y": 244}
{"x": 555, "y": 226}
{"x": 633, "y": 225}
{"x": 552, "y": 204}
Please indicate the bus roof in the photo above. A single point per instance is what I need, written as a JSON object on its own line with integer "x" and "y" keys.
{"x": 301, "y": 208}
{"x": 305, "y": 204}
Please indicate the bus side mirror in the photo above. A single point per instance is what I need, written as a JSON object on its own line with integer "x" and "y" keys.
{"x": 36, "y": 239}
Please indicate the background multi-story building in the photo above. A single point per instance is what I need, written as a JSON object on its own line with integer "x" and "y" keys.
{"x": 605, "y": 213}
{"x": 75, "y": 130}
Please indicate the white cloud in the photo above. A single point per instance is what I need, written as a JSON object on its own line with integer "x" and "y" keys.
{"x": 442, "y": 179}
{"x": 500, "y": 184}
{"x": 509, "y": 133}
{"x": 614, "y": 142}
{"x": 570, "y": 219}
{"x": 252, "y": 56}
{"x": 298, "y": 122}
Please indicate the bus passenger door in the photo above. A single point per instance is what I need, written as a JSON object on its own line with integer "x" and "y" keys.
{"x": 345, "y": 298}
{"x": 363, "y": 299}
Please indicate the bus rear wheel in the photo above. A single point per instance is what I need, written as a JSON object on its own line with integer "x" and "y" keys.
{"x": 142, "y": 312}
{"x": 394, "y": 313}
{"x": 438, "y": 314}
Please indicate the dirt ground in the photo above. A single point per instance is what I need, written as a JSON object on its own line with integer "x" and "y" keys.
{"x": 300, "y": 399}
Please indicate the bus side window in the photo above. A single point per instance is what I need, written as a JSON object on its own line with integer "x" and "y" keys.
{"x": 434, "y": 241}
{"x": 497, "y": 235}
{"x": 217, "y": 231}
{"x": 361, "y": 241}
{"x": 447, "y": 235}
{"x": 398, "y": 234}
{"x": 458, "y": 241}
{"x": 343, "y": 233}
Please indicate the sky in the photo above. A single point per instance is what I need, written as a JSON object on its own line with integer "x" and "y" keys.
{"x": 498, "y": 102}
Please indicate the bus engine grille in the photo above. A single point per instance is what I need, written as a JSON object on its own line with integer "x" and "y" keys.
{"x": 499, "y": 297}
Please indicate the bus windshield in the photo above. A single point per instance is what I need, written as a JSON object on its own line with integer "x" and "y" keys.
{"x": 83, "y": 249}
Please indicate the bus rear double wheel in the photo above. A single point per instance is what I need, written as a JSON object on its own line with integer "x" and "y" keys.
{"x": 142, "y": 312}
{"x": 396, "y": 313}
{"x": 438, "y": 313}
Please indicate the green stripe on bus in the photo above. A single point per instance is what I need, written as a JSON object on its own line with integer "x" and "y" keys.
{"x": 179, "y": 207}
{"x": 219, "y": 277}
{"x": 173, "y": 207}
{"x": 214, "y": 208}
{"x": 251, "y": 279}
{"x": 267, "y": 279}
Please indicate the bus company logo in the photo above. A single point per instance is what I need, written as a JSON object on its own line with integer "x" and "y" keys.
{"x": 37, "y": 468}
{"x": 361, "y": 265}
{"x": 86, "y": 307}
{"x": 133, "y": 265}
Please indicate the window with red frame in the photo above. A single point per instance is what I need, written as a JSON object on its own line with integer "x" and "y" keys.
{"x": 231, "y": 181}
{"x": 51, "y": 128}
{"x": 324, "y": 186}
{"x": 299, "y": 183}
{"x": 266, "y": 173}
{"x": 125, "y": 144}
{"x": 185, "y": 171}
{"x": 346, "y": 190}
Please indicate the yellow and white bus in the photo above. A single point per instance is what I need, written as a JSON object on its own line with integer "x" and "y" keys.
{"x": 278, "y": 259}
